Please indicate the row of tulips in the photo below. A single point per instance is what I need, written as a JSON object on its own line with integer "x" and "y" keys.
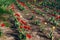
{"x": 18, "y": 4}
{"x": 52, "y": 19}
{"x": 22, "y": 27}
{"x": 22, "y": 3}
{"x": 50, "y": 34}
{"x": 48, "y": 4}
{"x": 54, "y": 15}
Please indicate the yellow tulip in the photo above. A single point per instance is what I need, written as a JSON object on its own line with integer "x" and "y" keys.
{"x": 53, "y": 27}
{"x": 45, "y": 22}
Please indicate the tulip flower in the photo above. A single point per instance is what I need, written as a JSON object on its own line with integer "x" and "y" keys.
{"x": 25, "y": 27}
{"x": 28, "y": 27}
{"x": 57, "y": 17}
{"x": 12, "y": 6}
{"x": 18, "y": 15}
{"x": 18, "y": 19}
{"x": 28, "y": 36}
{"x": 21, "y": 26}
{"x": 21, "y": 3}
{"x": 53, "y": 15}
{"x": 2, "y": 25}
{"x": 23, "y": 22}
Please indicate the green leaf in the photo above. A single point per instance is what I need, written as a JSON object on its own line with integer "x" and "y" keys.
{"x": 21, "y": 8}
{"x": 7, "y": 24}
{"x": 32, "y": 18}
{"x": 4, "y": 11}
{"x": 6, "y": 2}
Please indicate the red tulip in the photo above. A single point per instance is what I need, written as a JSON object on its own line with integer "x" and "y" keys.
{"x": 25, "y": 27}
{"x": 28, "y": 36}
{"x": 12, "y": 6}
{"x": 53, "y": 15}
{"x": 58, "y": 17}
{"x": 23, "y": 4}
{"x": 18, "y": 19}
{"x": 29, "y": 28}
{"x": 2, "y": 25}
{"x": 23, "y": 22}
{"x": 18, "y": 15}
{"x": 21, "y": 26}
